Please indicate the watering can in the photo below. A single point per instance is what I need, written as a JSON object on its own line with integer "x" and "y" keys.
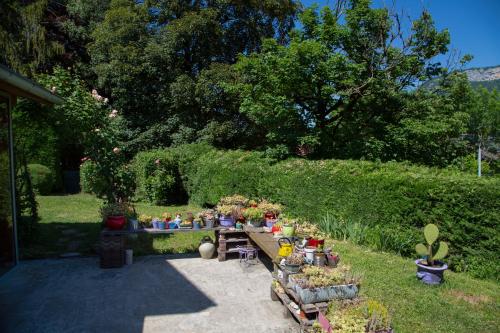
{"x": 286, "y": 247}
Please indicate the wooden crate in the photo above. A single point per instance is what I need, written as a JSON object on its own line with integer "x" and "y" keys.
{"x": 227, "y": 240}
{"x": 112, "y": 250}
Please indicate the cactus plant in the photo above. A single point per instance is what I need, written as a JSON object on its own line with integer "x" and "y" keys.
{"x": 431, "y": 233}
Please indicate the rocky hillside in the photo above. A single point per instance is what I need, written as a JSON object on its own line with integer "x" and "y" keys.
{"x": 488, "y": 77}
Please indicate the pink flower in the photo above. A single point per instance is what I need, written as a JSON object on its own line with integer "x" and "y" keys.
{"x": 157, "y": 162}
{"x": 85, "y": 159}
{"x": 116, "y": 150}
{"x": 97, "y": 130}
{"x": 105, "y": 101}
{"x": 53, "y": 90}
{"x": 94, "y": 92}
{"x": 113, "y": 114}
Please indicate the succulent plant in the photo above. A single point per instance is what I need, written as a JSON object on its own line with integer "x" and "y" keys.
{"x": 431, "y": 233}
{"x": 295, "y": 259}
{"x": 253, "y": 214}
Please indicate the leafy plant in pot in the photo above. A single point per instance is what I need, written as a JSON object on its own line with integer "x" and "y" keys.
{"x": 226, "y": 217}
{"x": 208, "y": 217}
{"x": 114, "y": 215}
{"x": 430, "y": 269}
{"x": 254, "y": 216}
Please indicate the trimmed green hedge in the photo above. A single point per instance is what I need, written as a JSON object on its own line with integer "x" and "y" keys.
{"x": 383, "y": 205}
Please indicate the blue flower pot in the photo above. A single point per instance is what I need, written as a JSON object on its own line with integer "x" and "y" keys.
{"x": 161, "y": 225}
{"x": 226, "y": 221}
{"x": 155, "y": 224}
{"x": 172, "y": 225}
{"x": 196, "y": 226}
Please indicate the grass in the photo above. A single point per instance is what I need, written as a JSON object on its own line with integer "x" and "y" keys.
{"x": 461, "y": 304}
{"x": 71, "y": 223}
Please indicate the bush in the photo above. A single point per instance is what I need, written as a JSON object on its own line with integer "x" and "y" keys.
{"x": 157, "y": 177}
{"x": 89, "y": 179}
{"x": 383, "y": 205}
{"x": 42, "y": 178}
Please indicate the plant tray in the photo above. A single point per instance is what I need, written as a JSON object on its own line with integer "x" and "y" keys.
{"x": 324, "y": 294}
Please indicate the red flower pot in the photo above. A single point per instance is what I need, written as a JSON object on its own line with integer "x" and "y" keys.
{"x": 116, "y": 222}
{"x": 318, "y": 243}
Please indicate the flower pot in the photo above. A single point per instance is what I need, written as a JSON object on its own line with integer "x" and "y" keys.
{"x": 209, "y": 223}
{"x": 324, "y": 294}
{"x": 239, "y": 225}
{"x": 155, "y": 224}
{"x": 319, "y": 259}
{"x": 270, "y": 223}
{"x": 226, "y": 221}
{"x": 430, "y": 274}
{"x": 288, "y": 230}
{"x": 319, "y": 243}
{"x": 292, "y": 268}
{"x": 172, "y": 225}
{"x": 275, "y": 228}
{"x": 161, "y": 225}
{"x": 255, "y": 223}
{"x": 115, "y": 222}
{"x": 196, "y": 225}
{"x": 310, "y": 250}
{"x": 134, "y": 224}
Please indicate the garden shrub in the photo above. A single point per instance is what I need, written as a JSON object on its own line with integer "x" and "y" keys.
{"x": 42, "y": 178}
{"x": 89, "y": 179}
{"x": 157, "y": 177}
{"x": 383, "y": 205}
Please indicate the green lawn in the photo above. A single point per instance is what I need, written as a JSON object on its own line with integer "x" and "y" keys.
{"x": 71, "y": 223}
{"x": 461, "y": 304}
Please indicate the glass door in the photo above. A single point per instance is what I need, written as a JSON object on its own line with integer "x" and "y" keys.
{"x": 7, "y": 224}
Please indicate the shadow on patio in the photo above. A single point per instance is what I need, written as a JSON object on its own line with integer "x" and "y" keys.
{"x": 76, "y": 296}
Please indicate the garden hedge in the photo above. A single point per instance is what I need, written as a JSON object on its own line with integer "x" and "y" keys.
{"x": 383, "y": 205}
{"x": 42, "y": 178}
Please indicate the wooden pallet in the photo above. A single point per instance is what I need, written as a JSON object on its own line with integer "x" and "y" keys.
{"x": 228, "y": 240}
{"x": 305, "y": 320}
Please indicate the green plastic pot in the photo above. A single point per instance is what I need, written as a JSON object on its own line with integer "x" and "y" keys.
{"x": 289, "y": 230}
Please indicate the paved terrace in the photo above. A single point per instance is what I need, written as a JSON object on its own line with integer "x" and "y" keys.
{"x": 173, "y": 293}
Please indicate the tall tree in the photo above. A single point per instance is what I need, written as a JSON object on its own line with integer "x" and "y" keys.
{"x": 341, "y": 80}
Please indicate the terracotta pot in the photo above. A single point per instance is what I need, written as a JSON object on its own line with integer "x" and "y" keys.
{"x": 116, "y": 222}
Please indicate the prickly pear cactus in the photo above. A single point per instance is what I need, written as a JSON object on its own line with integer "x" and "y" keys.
{"x": 431, "y": 233}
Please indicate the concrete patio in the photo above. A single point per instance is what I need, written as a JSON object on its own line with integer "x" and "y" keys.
{"x": 175, "y": 293}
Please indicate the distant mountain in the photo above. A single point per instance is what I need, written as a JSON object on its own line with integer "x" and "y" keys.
{"x": 488, "y": 77}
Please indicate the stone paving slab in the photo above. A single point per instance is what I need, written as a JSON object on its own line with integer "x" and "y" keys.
{"x": 172, "y": 293}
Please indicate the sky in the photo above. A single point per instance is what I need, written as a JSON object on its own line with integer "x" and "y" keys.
{"x": 474, "y": 25}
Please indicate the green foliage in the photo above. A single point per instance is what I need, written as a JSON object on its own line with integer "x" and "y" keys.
{"x": 26, "y": 44}
{"x": 383, "y": 205}
{"x": 341, "y": 83}
{"x": 157, "y": 177}
{"x": 42, "y": 178}
{"x": 431, "y": 233}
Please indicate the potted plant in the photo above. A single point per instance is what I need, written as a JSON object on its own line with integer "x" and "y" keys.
{"x": 208, "y": 217}
{"x": 293, "y": 262}
{"x": 355, "y": 315}
{"x": 131, "y": 215}
{"x": 114, "y": 215}
{"x": 145, "y": 220}
{"x": 271, "y": 212}
{"x": 430, "y": 269}
{"x": 254, "y": 216}
{"x": 321, "y": 284}
{"x": 226, "y": 217}
{"x": 288, "y": 227}
{"x": 197, "y": 223}
{"x": 167, "y": 217}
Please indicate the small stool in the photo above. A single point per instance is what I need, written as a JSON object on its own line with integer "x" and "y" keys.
{"x": 248, "y": 254}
